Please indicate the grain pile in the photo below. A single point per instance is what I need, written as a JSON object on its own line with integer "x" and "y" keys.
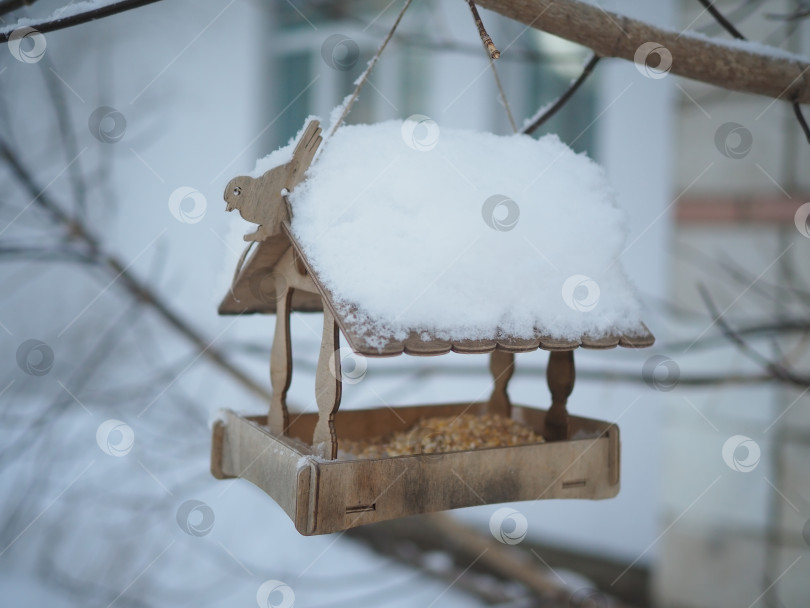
{"x": 444, "y": 434}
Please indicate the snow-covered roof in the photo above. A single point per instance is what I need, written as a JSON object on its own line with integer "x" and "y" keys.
{"x": 448, "y": 237}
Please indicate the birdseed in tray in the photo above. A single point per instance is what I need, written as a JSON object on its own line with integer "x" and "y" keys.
{"x": 443, "y": 434}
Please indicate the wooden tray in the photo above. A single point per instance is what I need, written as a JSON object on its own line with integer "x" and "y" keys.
{"x": 323, "y": 496}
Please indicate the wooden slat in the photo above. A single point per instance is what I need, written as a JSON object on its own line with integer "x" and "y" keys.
{"x": 603, "y": 343}
{"x": 365, "y": 423}
{"x": 644, "y": 339}
{"x": 390, "y": 349}
{"x": 549, "y": 343}
{"x": 248, "y": 450}
{"x": 415, "y": 345}
{"x": 474, "y": 346}
{"x": 519, "y": 345}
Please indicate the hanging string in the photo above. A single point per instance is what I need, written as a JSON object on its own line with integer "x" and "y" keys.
{"x": 362, "y": 80}
{"x": 502, "y": 94}
{"x": 493, "y": 53}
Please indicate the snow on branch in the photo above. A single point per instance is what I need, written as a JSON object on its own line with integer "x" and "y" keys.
{"x": 736, "y": 65}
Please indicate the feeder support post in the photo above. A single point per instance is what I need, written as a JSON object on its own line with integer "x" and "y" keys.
{"x": 502, "y": 366}
{"x": 560, "y": 377}
{"x": 280, "y": 360}
{"x": 328, "y": 388}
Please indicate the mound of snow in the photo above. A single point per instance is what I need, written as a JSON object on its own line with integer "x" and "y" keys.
{"x": 464, "y": 234}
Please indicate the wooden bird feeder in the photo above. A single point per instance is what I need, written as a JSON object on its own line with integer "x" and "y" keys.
{"x": 295, "y": 459}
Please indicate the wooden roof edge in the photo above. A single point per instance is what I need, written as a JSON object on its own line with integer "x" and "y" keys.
{"x": 414, "y": 345}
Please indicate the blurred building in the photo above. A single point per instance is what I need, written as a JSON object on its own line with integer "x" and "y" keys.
{"x": 711, "y": 182}
{"x": 435, "y": 66}
{"x": 741, "y": 543}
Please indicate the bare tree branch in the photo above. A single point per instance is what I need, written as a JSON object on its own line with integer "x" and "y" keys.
{"x": 493, "y": 52}
{"x": 136, "y": 288}
{"x": 472, "y": 553}
{"x": 563, "y": 99}
{"x": 7, "y": 6}
{"x": 799, "y": 13}
{"x": 612, "y": 35}
{"x": 51, "y": 25}
{"x": 775, "y": 369}
{"x": 797, "y": 110}
{"x": 718, "y": 16}
{"x": 729, "y": 27}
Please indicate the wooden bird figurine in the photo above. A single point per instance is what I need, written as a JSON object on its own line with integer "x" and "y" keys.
{"x": 260, "y": 200}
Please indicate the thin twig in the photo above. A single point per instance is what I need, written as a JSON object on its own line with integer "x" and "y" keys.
{"x": 800, "y": 13}
{"x": 362, "y": 80}
{"x": 494, "y": 53}
{"x": 718, "y": 16}
{"x": 59, "y": 23}
{"x": 7, "y": 6}
{"x": 797, "y": 110}
{"x": 776, "y": 370}
{"x": 729, "y": 27}
{"x": 124, "y": 276}
{"x": 502, "y": 93}
{"x": 563, "y": 99}
{"x": 67, "y": 137}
